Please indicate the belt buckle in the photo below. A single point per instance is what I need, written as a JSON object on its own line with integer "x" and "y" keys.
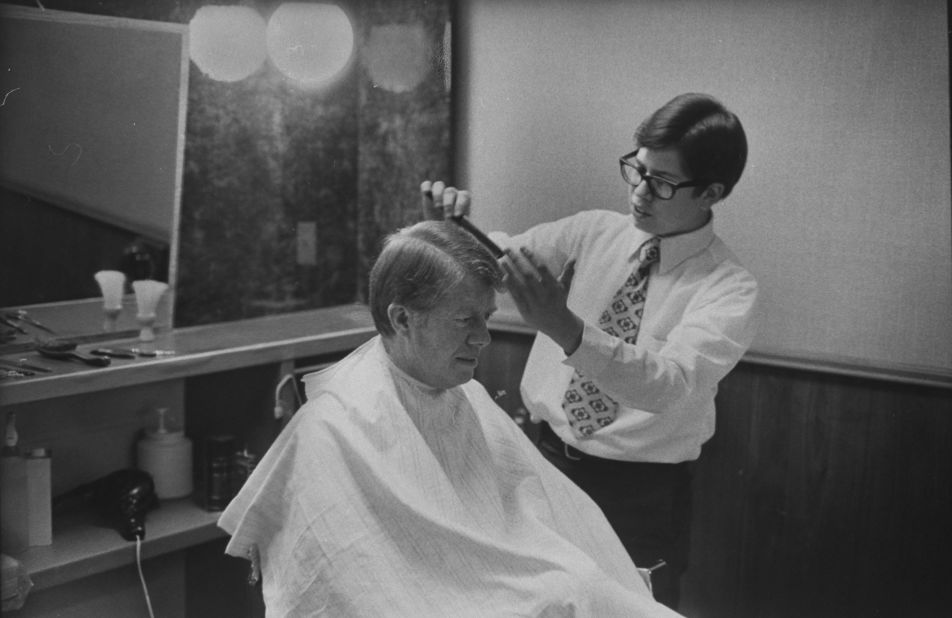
{"x": 568, "y": 454}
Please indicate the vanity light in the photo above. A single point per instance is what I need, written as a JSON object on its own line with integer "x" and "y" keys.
{"x": 227, "y": 42}
{"x": 310, "y": 43}
{"x": 397, "y": 56}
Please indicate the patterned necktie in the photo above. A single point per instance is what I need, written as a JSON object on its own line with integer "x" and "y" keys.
{"x": 589, "y": 409}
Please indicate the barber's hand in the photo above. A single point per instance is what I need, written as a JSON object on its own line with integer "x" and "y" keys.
{"x": 442, "y": 202}
{"x": 541, "y": 297}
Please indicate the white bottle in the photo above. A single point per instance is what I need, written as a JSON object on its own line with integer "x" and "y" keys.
{"x": 39, "y": 498}
{"x": 166, "y": 454}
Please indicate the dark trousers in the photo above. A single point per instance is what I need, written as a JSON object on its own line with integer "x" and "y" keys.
{"x": 648, "y": 505}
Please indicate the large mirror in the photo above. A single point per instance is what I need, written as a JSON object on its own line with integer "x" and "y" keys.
{"x": 287, "y": 183}
{"x": 90, "y": 163}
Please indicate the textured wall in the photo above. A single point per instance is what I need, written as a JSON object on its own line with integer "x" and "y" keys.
{"x": 263, "y": 155}
{"x": 551, "y": 92}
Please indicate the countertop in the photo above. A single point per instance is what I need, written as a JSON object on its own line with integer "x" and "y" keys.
{"x": 197, "y": 350}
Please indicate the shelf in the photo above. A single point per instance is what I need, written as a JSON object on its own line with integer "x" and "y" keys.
{"x": 199, "y": 350}
{"x": 84, "y": 546}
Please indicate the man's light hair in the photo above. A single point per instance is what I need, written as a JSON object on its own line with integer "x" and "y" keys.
{"x": 419, "y": 265}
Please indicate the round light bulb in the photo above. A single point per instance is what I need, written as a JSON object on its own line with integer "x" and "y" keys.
{"x": 310, "y": 43}
{"x": 227, "y": 43}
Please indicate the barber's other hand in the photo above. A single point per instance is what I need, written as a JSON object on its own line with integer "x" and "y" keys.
{"x": 442, "y": 202}
{"x": 541, "y": 297}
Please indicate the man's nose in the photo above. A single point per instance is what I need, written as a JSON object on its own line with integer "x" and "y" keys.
{"x": 643, "y": 191}
{"x": 480, "y": 336}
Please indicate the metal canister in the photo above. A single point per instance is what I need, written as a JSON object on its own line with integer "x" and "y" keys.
{"x": 218, "y": 495}
{"x": 217, "y": 473}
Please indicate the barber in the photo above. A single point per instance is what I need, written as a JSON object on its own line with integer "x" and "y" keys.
{"x": 639, "y": 317}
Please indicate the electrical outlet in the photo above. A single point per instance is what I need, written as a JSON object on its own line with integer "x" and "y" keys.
{"x": 307, "y": 243}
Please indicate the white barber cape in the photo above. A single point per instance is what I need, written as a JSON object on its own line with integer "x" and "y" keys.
{"x": 384, "y": 497}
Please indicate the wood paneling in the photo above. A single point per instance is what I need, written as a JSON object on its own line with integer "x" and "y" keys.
{"x": 500, "y": 368}
{"x": 823, "y": 496}
{"x": 49, "y": 254}
{"x": 818, "y": 496}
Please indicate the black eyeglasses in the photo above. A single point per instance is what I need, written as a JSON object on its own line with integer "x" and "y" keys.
{"x": 659, "y": 187}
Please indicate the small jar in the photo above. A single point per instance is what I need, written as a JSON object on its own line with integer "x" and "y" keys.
{"x": 166, "y": 454}
{"x": 219, "y": 493}
{"x": 216, "y": 473}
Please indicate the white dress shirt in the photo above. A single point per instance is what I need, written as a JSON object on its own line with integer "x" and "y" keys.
{"x": 698, "y": 321}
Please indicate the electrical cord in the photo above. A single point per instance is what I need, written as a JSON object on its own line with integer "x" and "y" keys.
{"x": 145, "y": 588}
{"x": 279, "y": 410}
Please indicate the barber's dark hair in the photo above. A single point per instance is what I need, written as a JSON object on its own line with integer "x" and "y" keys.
{"x": 419, "y": 265}
{"x": 709, "y": 138}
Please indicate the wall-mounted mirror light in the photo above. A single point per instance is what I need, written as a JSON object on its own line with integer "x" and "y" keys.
{"x": 227, "y": 42}
{"x": 396, "y": 58}
{"x": 309, "y": 43}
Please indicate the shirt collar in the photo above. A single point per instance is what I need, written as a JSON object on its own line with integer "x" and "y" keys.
{"x": 675, "y": 249}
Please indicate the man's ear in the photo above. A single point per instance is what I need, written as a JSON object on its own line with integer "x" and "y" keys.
{"x": 713, "y": 193}
{"x": 399, "y": 317}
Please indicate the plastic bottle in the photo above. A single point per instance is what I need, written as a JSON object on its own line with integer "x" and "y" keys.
{"x": 166, "y": 454}
{"x": 39, "y": 496}
{"x": 25, "y": 511}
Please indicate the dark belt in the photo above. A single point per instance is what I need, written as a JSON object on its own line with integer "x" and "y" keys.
{"x": 555, "y": 444}
{"x": 552, "y": 443}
